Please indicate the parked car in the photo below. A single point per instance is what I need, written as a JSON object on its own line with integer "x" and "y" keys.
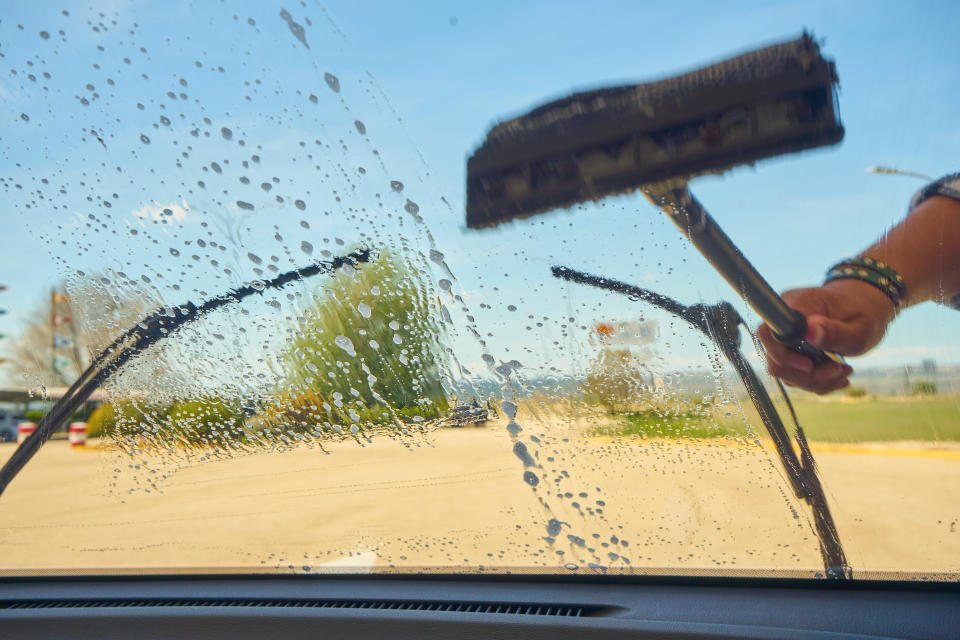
{"x": 8, "y": 427}
{"x": 463, "y": 414}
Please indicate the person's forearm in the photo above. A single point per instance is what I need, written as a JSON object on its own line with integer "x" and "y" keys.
{"x": 925, "y": 250}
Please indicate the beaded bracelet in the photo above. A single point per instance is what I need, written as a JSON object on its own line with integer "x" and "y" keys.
{"x": 873, "y": 272}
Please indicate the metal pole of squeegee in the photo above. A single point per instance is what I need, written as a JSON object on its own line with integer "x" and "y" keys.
{"x": 788, "y": 325}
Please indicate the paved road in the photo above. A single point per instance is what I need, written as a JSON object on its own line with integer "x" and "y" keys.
{"x": 458, "y": 498}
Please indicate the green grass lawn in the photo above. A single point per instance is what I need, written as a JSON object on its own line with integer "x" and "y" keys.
{"x": 930, "y": 418}
{"x": 884, "y": 418}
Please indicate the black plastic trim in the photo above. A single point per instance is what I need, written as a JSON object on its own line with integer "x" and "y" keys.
{"x": 918, "y": 585}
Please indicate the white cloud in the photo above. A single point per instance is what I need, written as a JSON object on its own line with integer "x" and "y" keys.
{"x": 161, "y": 213}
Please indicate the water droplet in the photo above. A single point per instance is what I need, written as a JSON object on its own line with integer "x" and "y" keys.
{"x": 396, "y": 185}
{"x": 306, "y": 247}
{"x": 300, "y": 204}
{"x": 412, "y": 207}
{"x": 295, "y": 28}
{"x": 254, "y": 258}
{"x": 44, "y": 35}
{"x": 531, "y": 478}
{"x": 304, "y": 224}
{"x": 520, "y": 450}
{"x": 344, "y": 343}
{"x": 394, "y": 325}
{"x": 216, "y": 167}
{"x": 245, "y": 205}
{"x": 444, "y": 284}
{"x": 577, "y": 540}
{"x": 364, "y": 310}
{"x": 554, "y": 527}
{"x": 226, "y": 133}
{"x": 332, "y": 82}
{"x": 144, "y": 139}
{"x": 174, "y": 252}
{"x": 361, "y": 128}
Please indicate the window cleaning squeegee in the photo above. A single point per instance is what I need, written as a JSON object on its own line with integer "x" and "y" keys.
{"x": 654, "y": 137}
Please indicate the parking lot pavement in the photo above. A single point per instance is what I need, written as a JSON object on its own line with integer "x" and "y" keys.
{"x": 459, "y": 498}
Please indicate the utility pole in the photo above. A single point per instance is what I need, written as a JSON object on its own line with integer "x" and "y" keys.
{"x": 53, "y": 331}
{"x": 57, "y": 319}
{"x": 3, "y": 287}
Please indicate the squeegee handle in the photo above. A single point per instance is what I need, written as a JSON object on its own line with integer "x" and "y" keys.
{"x": 788, "y": 325}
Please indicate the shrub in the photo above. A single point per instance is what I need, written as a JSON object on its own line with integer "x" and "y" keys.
{"x": 101, "y": 419}
{"x": 206, "y": 421}
{"x": 856, "y": 392}
{"x": 125, "y": 418}
{"x": 310, "y": 412}
{"x": 614, "y": 380}
{"x": 924, "y": 388}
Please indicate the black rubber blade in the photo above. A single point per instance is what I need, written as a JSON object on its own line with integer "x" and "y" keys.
{"x": 771, "y": 101}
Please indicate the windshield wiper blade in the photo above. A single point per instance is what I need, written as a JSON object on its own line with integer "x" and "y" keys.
{"x": 138, "y": 338}
{"x": 721, "y": 323}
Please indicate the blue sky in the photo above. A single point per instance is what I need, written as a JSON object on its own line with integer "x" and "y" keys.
{"x": 427, "y": 79}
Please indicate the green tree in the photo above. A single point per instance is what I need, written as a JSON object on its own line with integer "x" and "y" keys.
{"x": 366, "y": 352}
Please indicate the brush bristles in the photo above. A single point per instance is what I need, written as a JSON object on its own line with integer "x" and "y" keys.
{"x": 774, "y": 100}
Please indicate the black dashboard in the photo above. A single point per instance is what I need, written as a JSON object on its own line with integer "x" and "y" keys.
{"x": 447, "y": 606}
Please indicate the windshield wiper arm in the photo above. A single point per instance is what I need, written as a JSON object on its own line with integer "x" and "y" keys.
{"x": 140, "y": 337}
{"x": 721, "y": 323}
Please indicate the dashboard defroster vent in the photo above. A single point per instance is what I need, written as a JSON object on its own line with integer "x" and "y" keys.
{"x": 503, "y": 608}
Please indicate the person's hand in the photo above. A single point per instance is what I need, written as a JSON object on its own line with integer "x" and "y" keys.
{"x": 848, "y": 317}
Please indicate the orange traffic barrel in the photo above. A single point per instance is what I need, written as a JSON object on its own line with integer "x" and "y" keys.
{"x": 24, "y": 429}
{"x": 78, "y": 434}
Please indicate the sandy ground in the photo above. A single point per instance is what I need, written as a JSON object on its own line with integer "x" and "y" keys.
{"x": 457, "y": 498}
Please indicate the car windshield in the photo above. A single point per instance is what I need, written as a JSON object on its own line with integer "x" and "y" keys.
{"x": 336, "y": 373}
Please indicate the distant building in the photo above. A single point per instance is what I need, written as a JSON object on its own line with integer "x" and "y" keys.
{"x": 633, "y": 333}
